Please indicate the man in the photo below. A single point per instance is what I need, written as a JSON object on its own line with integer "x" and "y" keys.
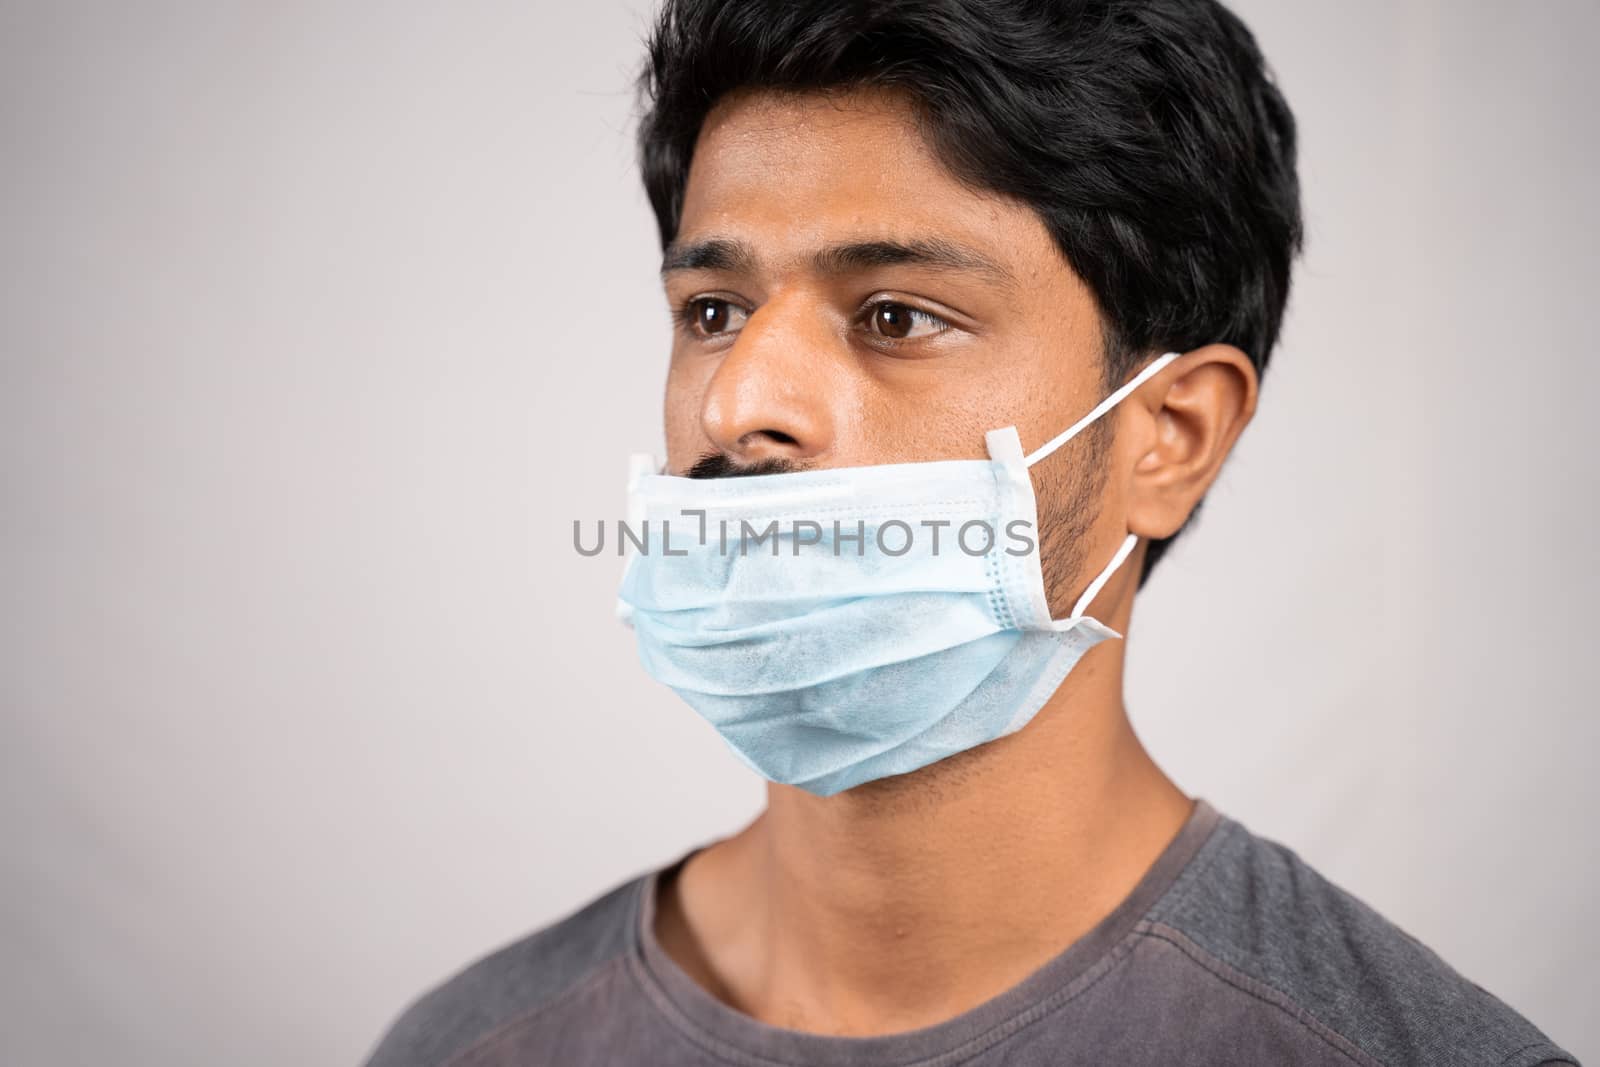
{"x": 889, "y": 229}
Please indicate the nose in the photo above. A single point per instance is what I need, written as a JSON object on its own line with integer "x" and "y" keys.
{"x": 775, "y": 394}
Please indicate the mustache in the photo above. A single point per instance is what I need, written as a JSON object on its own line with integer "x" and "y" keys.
{"x": 717, "y": 465}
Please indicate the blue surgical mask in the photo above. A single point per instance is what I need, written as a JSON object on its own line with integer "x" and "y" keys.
{"x": 840, "y": 626}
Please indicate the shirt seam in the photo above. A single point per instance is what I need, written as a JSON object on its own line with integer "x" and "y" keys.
{"x": 1193, "y": 871}
{"x": 709, "y": 1042}
{"x": 504, "y": 1029}
{"x": 1295, "y": 1009}
{"x": 962, "y": 1053}
{"x": 1263, "y": 991}
{"x": 1556, "y": 1055}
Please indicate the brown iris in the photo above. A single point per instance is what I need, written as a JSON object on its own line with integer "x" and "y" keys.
{"x": 893, "y": 320}
{"x": 712, "y": 316}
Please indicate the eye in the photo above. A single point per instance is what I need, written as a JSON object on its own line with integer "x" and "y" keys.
{"x": 900, "y": 322}
{"x": 709, "y": 316}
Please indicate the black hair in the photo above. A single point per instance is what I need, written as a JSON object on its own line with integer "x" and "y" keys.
{"x": 1148, "y": 135}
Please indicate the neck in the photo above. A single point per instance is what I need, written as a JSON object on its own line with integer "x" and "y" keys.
{"x": 904, "y": 902}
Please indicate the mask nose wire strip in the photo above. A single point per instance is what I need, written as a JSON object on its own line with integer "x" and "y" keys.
{"x": 1099, "y": 409}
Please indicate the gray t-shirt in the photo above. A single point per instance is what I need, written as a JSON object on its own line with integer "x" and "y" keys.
{"x": 1229, "y": 951}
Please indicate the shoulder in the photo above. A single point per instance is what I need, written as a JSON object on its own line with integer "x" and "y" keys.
{"x": 1249, "y": 907}
{"x": 512, "y": 982}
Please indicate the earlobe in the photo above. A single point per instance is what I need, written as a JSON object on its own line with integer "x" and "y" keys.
{"x": 1208, "y": 400}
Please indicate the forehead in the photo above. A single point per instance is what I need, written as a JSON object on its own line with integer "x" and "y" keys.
{"x": 801, "y": 170}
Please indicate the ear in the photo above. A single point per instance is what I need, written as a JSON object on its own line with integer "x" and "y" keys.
{"x": 1199, "y": 405}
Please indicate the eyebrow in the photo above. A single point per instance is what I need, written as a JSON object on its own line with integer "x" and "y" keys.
{"x": 738, "y": 257}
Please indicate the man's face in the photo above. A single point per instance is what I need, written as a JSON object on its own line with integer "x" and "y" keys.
{"x": 845, "y": 301}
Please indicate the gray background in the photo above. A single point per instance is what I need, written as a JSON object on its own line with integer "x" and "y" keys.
{"x": 322, "y": 322}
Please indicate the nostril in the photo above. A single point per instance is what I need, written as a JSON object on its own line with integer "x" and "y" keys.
{"x": 773, "y": 436}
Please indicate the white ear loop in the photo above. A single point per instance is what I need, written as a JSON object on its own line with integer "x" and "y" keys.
{"x": 1098, "y": 584}
{"x": 1100, "y": 409}
{"x": 1128, "y": 543}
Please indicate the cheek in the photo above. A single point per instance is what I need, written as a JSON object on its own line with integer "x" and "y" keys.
{"x": 681, "y": 413}
{"x": 1018, "y": 388}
